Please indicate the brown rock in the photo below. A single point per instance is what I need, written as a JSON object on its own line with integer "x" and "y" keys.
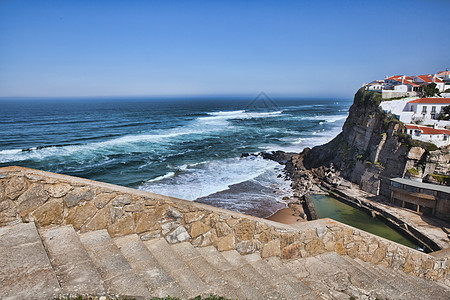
{"x": 288, "y": 238}
{"x": 272, "y": 248}
{"x": 408, "y": 266}
{"x": 80, "y": 214}
{"x": 121, "y": 201}
{"x": 248, "y": 247}
{"x": 292, "y": 251}
{"x": 116, "y": 213}
{"x": 266, "y": 236}
{"x": 211, "y": 219}
{"x": 245, "y": 230}
{"x": 223, "y": 229}
{"x": 100, "y": 220}
{"x": 135, "y": 207}
{"x": 198, "y": 228}
{"x": 15, "y": 186}
{"x": 232, "y": 222}
{"x": 193, "y": 216}
{"x": 226, "y": 243}
{"x": 31, "y": 199}
{"x": 49, "y": 213}
{"x": 122, "y": 227}
{"x": 58, "y": 190}
{"x": 209, "y": 239}
{"x": 378, "y": 255}
{"x": 8, "y": 212}
{"x": 77, "y": 195}
{"x": 340, "y": 249}
{"x": 146, "y": 221}
{"x": 101, "y": 200}
{"x": 316, "y": 246}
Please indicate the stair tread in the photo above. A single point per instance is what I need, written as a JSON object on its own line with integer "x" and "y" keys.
{"x": 287, "y": 276}
{"x": 272, "y": 275}
{"x": 114, "y": 269}
{"x": 247, "y": 271}
{"x": 177, "y": 268}
{"x": 25, "y": 269}
{"x": 144, "y": 264}
{"x": 72, "y": 264}
{"x": 205, "y": 270}
{"x": 234, "y": 278}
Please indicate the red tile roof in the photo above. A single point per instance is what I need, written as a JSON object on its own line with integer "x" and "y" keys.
{"x": 429, "y": 78}
{"x": 428, "y": 130}
{"x": 409, "y": 126}
{"x": 432, "y": 101}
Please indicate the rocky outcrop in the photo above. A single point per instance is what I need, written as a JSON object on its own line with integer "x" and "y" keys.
{"x": 372, "y": 147}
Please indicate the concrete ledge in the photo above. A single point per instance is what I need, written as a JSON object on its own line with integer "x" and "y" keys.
{"x": 51, "y": 200}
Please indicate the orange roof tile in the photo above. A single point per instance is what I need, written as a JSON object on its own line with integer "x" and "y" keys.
{"x": 432, "y": 100}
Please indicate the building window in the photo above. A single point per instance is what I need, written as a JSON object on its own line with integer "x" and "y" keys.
{"x": 424, "y": 110}
{"x": 433, "y": 109}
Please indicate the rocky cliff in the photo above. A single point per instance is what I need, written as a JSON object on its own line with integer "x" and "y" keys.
{"x": 372, "y": 147}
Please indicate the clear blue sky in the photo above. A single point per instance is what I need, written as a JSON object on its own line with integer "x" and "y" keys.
{"x": 285, "y": 48}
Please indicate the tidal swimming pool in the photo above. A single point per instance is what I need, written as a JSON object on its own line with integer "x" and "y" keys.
{"x": 328, "y": 207}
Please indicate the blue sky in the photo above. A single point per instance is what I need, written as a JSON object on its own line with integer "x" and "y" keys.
{"x": 150, "y": 48}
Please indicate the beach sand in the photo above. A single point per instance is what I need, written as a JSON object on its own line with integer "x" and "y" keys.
{"x": 288, "y": 215}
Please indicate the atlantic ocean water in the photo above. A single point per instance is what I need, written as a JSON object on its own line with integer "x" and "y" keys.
{"x": 185, "y": 148}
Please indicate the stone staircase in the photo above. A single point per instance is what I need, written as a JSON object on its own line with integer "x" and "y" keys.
{"x": 60, "y": 261}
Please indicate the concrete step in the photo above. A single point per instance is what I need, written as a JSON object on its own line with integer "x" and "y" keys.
{"x": 382, "y": 286}
{"x": 263, "y": 285}
{"x": 205, "y": 270}
{"x": 147, "y": 268}
{"x": 25, "y": 269}
{"x": 74, "y": 269}
{"x": 177, "y": 268}
{"x": 324, "y": 279}
{"x": 272, "y": 275}
{"x": 114, "y": 269}
{"x": 286, "y": 275}
{"x": 420, "y": 288}
{"x": 234, "y": 278}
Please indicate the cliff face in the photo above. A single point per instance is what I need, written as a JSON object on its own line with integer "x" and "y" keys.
{"x": 372, "y": 147}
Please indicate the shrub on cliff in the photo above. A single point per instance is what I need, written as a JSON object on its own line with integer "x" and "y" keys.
{"x": 445, "y": 114}
{"x": 431, "y": 90}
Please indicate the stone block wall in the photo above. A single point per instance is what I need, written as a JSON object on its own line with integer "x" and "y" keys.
{"x": 49, "y": 200}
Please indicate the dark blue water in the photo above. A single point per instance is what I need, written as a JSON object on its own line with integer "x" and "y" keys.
{"x": 187, "y": 148}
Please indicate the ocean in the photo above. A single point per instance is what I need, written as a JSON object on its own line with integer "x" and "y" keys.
{"x": 185, "y": 148}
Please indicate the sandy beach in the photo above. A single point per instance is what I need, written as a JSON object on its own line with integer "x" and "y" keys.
{"x": 289, "y": 215}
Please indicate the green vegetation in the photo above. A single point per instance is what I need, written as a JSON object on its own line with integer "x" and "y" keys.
{"x": 409, "y": 142}
{"x": 413, "y": 171}
{"x": 445, "y": 179}
{"x": 445, "y": 115}
{"x": 394, "y": 98}
{"x": 431, "y": 90}
{"x": 368, "y": 97}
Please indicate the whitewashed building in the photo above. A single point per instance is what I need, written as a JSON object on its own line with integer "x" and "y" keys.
{"x": 439, "y": 137}
{"x": 426, "y": 109}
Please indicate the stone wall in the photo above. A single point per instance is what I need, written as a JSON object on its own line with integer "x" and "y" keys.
{"x": 49, "y": 199}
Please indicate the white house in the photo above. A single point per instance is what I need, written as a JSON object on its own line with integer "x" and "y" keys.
{"x": 439, "y": 137}
{"x": 400, "y": 86}
{"x": 427, "y": 79}
{"x": 425, "y": 109}
{"x": 376, "y": 85}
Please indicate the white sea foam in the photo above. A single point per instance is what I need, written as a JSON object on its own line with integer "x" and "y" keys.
{"x": 205, "y": 179}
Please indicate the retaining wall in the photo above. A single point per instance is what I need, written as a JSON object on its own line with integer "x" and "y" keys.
{"x": 50, "y": 199}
